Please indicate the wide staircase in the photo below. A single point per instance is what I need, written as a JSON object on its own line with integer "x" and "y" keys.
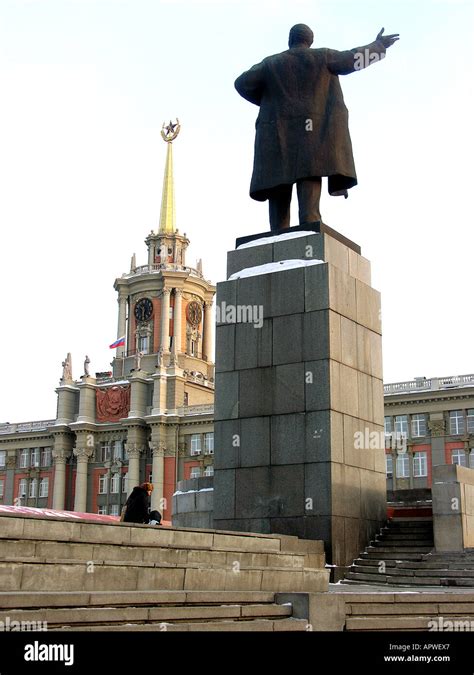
{"x": 89, "y": 576}
{"x": 402, "y": 555}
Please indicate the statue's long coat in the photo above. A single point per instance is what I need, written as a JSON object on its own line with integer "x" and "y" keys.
{"x": 302, "y": 129}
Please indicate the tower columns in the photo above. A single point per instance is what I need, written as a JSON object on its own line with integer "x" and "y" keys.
{"x": 134, "y": 452}
{"x": 178, "y": 307}
{"x": 122, "y": 323}
{"x": 83, "y": 452}
{"x": 62, "y": 450}
{"x": 158, "y": 470}
{"x": 165, "y": 320}
{"x": 207, "y": 338}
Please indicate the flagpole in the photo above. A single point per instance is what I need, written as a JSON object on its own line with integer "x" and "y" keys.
{"x": 124, "y": 348}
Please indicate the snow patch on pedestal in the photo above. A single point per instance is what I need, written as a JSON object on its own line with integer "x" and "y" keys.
{"x": 274, "y": 239}
{"x": 269, "y": 268}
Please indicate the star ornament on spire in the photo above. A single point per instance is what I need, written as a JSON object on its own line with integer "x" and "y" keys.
{"x": 170, "y": 131}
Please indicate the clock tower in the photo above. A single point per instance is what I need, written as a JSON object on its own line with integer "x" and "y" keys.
{"x": 165, "y": 310}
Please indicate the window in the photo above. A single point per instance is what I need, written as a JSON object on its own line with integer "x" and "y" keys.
{"x": 102, "y": 510}
{"x": 104, "y": 452}
{"x": 418, "y": 426}
{"x": 196, "y": 444}
{"x": 388, "y": 425}
{"x": 114, "y": 510}
{"x": 35, "y": 457}
{"x": 24, "y": 458}
{"x": 401, "y": 424}
{"x": 420, "y": 464}
{"x": 195, "y": 472}
{"x": 403, "y": 466}
{"x": 471, "y": 458}
{"x": 209, "y": 443}
{"x": 2, "y": 487}
{"x": 143, "y": 344}
{"x": 456, "y": 422}
{"x": 125, "y": 482}
{"x": 470, "y": 421}
{"x": 193, "y": 347}
{"x": 458, "y": 457}
{"x": 209, "y": 471}
{"x": 33, "y": 489}
{"x": 118, "y": 450}
{"x": 389, "y": 465}
{"x": 115, "y": 483}
{"x": 44, "y": 487}
{"x": 46, "y": 457}
{"x": 3, "y": 458}
{"x": 150, "y": 478}
{"x": 103, "y": 484}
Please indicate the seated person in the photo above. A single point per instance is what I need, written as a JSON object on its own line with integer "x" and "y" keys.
{"x": 137, "y": 507}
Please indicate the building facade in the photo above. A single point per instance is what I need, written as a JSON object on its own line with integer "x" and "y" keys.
{"x": 427, "y": 422}
{"x": 150, "y": 418}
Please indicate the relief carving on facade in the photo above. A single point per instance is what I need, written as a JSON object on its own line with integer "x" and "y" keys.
{"x": 437, "y": 427}
{"x": 112, "y": 403}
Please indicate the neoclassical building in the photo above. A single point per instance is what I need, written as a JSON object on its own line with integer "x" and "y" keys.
{"x": 150, "y": 418}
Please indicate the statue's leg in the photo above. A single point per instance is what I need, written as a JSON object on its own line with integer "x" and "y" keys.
{"x": 279, "y": 207}
{"x": 309, "y": 194}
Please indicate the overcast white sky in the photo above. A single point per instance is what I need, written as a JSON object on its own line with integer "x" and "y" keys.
{"x": 85, "y": 86}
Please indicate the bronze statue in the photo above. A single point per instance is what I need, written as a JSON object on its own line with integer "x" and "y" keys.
{"x": 302, "y": 130}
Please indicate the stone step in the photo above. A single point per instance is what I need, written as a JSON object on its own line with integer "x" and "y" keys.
{"x": 46, "y": 599}
{"x": 457, "y": 559}
{"x": 401, "y": 552}
{"x": 366, "y": 577}
{"x": 129, "y": 614}
{"x": 467, "y": 574}
{"x": 14, "y": 550}
{"x": 392, "y": 536}
{"x": 422, "y": 529}
{"x": 370, "y": 562}
{"x": 392, "y": 623}
{"x": 79, "y": 576}
{"x": 123, "y": 534}
{"x": 413, "y": 565}
{"x": 375, "y": 570}
{"x": 260, "y": 625}
{"x": 403, "y": 545}
{"x": 441, "y": 598}
{"x": 375, "y": 554}
{"x": 384, "y": 609}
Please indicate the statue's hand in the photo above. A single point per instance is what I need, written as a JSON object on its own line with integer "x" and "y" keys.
{"x": 387, "y": 40}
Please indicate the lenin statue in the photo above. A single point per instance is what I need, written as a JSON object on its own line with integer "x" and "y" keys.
{"x": 302, "y": 130}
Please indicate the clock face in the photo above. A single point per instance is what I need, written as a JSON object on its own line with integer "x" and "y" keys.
{"x": 194, "y": 313}
{"x": 143, "y": 309}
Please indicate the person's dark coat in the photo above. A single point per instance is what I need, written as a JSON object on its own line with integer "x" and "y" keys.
{"x": 302, "y": 129}
{"x": 137, "y": 506}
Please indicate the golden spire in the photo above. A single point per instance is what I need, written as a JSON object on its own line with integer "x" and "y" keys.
{"x": 168, "y": 211}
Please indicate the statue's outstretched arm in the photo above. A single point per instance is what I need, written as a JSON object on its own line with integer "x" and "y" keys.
{"x": 346, "y": 62}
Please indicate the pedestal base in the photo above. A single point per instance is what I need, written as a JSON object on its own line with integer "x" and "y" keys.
{"x": 299, "y": 397}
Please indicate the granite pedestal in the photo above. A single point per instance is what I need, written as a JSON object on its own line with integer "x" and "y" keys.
{"x": 299, "y": 395}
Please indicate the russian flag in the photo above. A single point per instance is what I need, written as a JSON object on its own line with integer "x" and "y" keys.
{"x": 118, "y": 343}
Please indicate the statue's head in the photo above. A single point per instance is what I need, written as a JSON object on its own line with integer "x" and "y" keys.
{"x": 301, "y": 35}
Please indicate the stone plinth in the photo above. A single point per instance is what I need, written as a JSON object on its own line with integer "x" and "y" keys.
{"x": 299, "y": 443}
{"x": 453, "y": 508}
